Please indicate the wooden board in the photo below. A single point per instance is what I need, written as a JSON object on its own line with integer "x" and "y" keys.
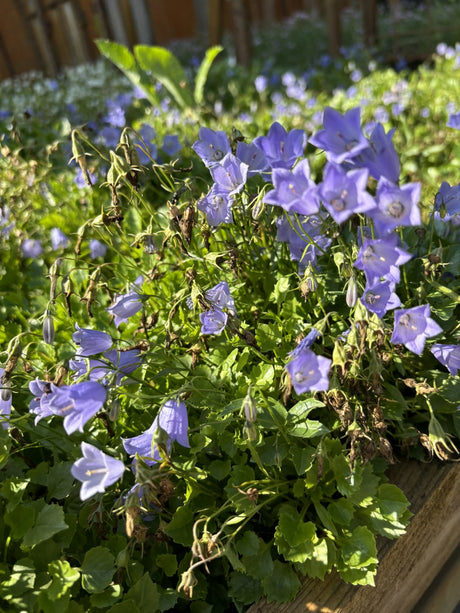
{"x": 408, "y": 566}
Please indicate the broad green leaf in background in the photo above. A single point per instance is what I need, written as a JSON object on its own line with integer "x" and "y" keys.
{"x": 165, "y": 67}
{"x": 50, "y": 521}
{"x": 97, "y": 569}
{"x": 203, "y": 71}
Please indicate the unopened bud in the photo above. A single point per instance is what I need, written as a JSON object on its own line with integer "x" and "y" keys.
{"x": 115, "y": 409}
{"x": 48, "y": 329}
{"x": 250, "y": 409}
{"x": 14, "y": 348}
{"x": 352, "y": 293}
{"x": 5, "y": 393}
{"x": 250, "y": 431}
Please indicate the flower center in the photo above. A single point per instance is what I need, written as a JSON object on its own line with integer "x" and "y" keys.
{"x": 396, "y": 209}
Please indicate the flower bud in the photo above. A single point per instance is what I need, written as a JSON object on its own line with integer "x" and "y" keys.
{"x": 115, "y": 409}
{"x": 352, "y": 293}
{"x": 5, "y": 393}
{"x": 250, "y": 431}
{"x": 48, "y": 329}
{"x": 250, "y": 409}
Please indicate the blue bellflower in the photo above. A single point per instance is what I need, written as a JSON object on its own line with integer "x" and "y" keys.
{"x": 172, "y": 420}
{"x": 31, "y": 248}
{"x": 380, "y": 298}
{"x": 213, "y": 321}
{"x": 212, "y": 146}
{"x": 448, "y": 355}
{"x": 230, "y": 175}
{"x": 76, "y": 403}
{"x": 413, "y": 326}
{"x": 380, "y": 158}
{"x": 251, "y": 155}
{"x": 294, "y": 191}
{"x": 58, "y": 239}
{"x": 97, "y": 249}
{"x": 309, "y": 372}
{"x": 282, "y": 148}
{"x": 396, "y": 206}
{"x": 96, "y": 470}
{"x": 91, "y": 342}
{"x": 126, "y": 305}
{"x": 344, "y": 193}
{"x": 381, "y": 258}
{"x": 217, "y": 206}
{"x": 342, "y": 137}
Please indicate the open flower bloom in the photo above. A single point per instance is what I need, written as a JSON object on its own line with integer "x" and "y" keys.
{"x": 380, "y": 298}
{"x": 413, "y": 326}
{"x": 294, "y": 191}
{"x": 381, "y": 258}
{"x": 96, "y": 470}
{"x": 127, "y": 305}
{"x": 90, "y": 342}
{"x": 344, "y": 193}
{"x": 342, "y": 137}
{"x": 213, "y": 321}
{"x": 212, "y": 146}
{"x": 230, "y": 175}
{"x": 282, "y": 148}
{"x": 448, "y": 355}
{"x": 309, "y": 372}
{"x": 76, "y": 403}
{"x": 172, "y": 421}
{"x": 217, "y": 206}
{"x": 380, "y": 158}
{"x": 396, "y": 206}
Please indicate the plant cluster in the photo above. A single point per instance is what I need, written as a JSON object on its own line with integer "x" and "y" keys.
{"x": 243, "y": 327}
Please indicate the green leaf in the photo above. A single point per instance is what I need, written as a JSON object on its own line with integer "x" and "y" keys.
{"x": 50, "y": 521}
{"x": 180, "y": 527}
{"x": 268, "y": 336}
{"x": 286, "y": 585}
{"x": 124, "y": 60}
{"x": 97, "y": 569}
{"x": 359, "y": 549}
{"x": 260, "y": 564}
{"x": 245, "y": 589}
{"x": 145, "y": 595}
{"x": 393, "y": 503}
{"x": 127, "y": 606}
{"x": 219, "y": 469}
{"x": 319, "y": 563}
{"x": 341, "y": 511}
{"x": 22, "y": 579}
{"x": 63, "y": 577}
{"x": 248, "y": 544}
{"x": 294, "y": 538}
{"x": 167, "y": 562}
{"x": 302, "y": 458}
{"x": 203, "y": 71}
{"x": 164, "y": 66}
{"x": 308, "y": 429}
{"x": 106, "y": 598}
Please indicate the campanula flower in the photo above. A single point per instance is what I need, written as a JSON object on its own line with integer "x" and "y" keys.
{"x": 97, "y": 249}
{"x": 77, "y": 403}
{"x": 381, "y": 258}
{"x": 230, "y": 175}
{"x": 309, "y": 372}
{"x": 454, "y": 121}
{"x": 396, "y": 206}
{"x": 251, "y": 155}
{"x": 217, "y": 206}
{"x": 282, "y": 148}
{"x": 344, "y": 193}
{"x": 305, "y": 343}
{"x": 146, "y": 145}
{"x": 172, "y": 420}
{"x": 380, "y": 157}
{"x": 413, "y": 326}
{"x": 79, "y": 179}
{"x": 380, "y": 298}
{"x": 58, "y": 239}
{"x": 294, "y": 191}
{"x": 119, "y": 363}
{"x": 448, "y": 198}
{"x": 448, "y": 355}
{"x": 126, "y": 305}
{"x": 342, "y": 137}
{"x": 220, "y": 297}
{"x": 171, "y": 144}
{"x": 212, "y": 146}
{"x": 213, "y": 321}
{"x": 96, "y": 470}
{"x": 304, "y": 238}
{"x": 31, "y": 248}
{"x": 91, "y": 342}
{"x": 38, "y": 406}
